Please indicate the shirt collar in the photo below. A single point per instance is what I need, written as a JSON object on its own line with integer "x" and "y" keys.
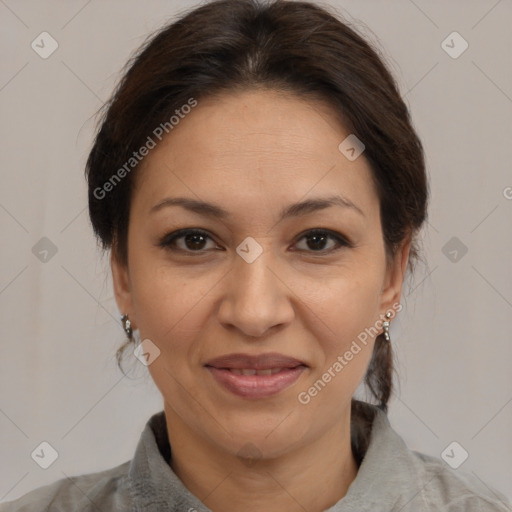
{"x": 154, "y": 484}
{"x": 384, "y": 476}
{"x": 388, "y": 476}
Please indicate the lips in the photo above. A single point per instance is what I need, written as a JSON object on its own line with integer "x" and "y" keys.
{"x": 251, "y": 371}
{"x": 255, "y": 377}
{"x": 269, "y": 361}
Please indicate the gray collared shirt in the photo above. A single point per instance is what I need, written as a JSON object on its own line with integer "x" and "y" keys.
{"x": 391, "y": 478}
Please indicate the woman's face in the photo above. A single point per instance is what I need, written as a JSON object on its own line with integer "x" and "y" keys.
{"x": 257, "y": 169}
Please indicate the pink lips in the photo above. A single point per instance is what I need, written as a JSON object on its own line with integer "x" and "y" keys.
{"x": 259, "y": 362}
{"x": 255, "y": 376}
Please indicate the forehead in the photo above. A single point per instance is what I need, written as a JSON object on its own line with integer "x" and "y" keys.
{"x": 262, "y": 145}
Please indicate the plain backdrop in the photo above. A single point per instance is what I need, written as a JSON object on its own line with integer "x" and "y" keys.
{"x": 59, "y": 323}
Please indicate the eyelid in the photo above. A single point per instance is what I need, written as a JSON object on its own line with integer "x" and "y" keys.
{"x": 341, "y": 240}
{"x": 166, "y": 240}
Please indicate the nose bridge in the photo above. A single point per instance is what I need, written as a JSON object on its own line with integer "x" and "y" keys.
{"x": 255, "y": 299}
{"x": 254, "y": 280}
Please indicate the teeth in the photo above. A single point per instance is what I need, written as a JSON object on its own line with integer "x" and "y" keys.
{"x": 251, "y": 371}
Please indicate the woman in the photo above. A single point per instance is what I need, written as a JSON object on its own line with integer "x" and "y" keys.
{"x": 260, "y": 185}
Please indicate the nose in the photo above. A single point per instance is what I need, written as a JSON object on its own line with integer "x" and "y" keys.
{"x": 256, "y": 299}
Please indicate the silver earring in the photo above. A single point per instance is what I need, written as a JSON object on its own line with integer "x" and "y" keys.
{"x": 127, "y": 326}
{"x": 385, "y": 325}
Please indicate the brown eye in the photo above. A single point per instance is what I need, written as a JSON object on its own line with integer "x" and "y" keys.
{"x": 193, "y": 240}
{"x": 187, "y": 240}
{"x": 316, "y": 241}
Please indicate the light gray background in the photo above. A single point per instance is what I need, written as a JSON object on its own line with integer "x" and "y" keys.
{"x": 59, "y": 323}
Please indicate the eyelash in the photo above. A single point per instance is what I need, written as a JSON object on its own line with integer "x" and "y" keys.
{"x": 167, "y": 241}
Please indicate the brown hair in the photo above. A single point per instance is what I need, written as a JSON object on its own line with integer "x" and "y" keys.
{"x": 288, "y": 46}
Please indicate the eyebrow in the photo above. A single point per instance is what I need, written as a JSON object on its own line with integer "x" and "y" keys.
{"x": 293, "y": 210}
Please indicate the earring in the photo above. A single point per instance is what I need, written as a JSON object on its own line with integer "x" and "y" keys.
{"x": 385, "y": 325}
{"x": 127, "y": 326}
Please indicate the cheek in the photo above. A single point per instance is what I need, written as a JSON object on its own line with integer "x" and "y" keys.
{"x": 348, "y": 304}
{"x": 342, "y": 324}
{"x": 355, "y": 307}
{"x": 345, "y": 313}
{"x": 171, "y": 305}
{"x": 171, "y": 308}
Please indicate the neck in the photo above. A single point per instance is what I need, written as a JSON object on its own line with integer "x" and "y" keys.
{"x": 291, "y": 482}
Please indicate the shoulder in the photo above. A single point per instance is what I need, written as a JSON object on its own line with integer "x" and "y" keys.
{"x": 450, "y": 490}
{"x": 104, "y": 490}
{"x": 401, "y": 479}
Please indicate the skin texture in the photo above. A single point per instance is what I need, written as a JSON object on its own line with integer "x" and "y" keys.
{"x": 254, "y": 153}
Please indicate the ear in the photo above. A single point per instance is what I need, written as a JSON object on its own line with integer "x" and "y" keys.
{"x": 395, "y": 272}
{"x": 122, "y": 288}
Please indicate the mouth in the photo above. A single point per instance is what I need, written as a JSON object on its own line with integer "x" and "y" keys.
{"x": 253, "y": 377}
{"x": 252, "y": 371}
{"x": 267, "y": 361}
